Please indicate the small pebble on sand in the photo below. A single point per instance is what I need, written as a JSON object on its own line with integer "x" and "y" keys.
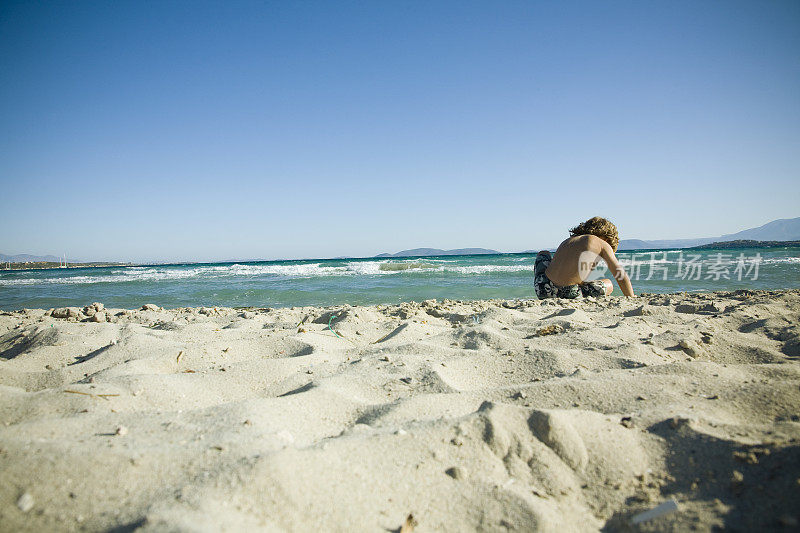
{"x": 456, "y": 472}
{"x": 25, "y": 502}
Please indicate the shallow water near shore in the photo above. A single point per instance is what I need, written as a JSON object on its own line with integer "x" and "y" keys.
{"x": 368, "y": 281}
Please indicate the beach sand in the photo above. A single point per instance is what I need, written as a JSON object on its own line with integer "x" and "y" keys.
{"x": 491, "y": 415}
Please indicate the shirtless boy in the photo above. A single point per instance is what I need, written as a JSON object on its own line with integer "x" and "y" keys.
{"x": 564, "y": 275}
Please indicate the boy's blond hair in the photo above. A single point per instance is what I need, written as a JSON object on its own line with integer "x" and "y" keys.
{"x": 599, "y": 227}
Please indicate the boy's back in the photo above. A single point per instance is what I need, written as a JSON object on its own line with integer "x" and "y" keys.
{"x": 564, "y": 274}
{"x": 574, "y": 259}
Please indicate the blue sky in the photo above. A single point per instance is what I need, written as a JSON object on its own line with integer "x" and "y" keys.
{"x": 211, "y": 130}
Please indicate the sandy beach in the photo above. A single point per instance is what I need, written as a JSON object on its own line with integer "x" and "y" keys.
{"x": 514, "y": 415}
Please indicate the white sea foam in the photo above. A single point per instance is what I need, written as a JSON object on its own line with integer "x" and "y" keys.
{"x": 483, "y": 269}
{"x": 365, "y": 268}
{"x": 141, "y": 275}
{"x": 391, "y": 267}
{"x": 301, "y": 270}
{"x": 298, "y": 270}
{"x": 134, "y": 274}
{"x": 777, "y": 260}
{"x": 371, "y": 268}
{"x": 396, "y": 267}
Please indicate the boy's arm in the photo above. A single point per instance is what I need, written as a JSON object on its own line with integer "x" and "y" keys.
{"x": 616, "y": 270}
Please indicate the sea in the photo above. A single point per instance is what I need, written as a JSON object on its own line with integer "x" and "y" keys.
{"x": 364, "y": 281}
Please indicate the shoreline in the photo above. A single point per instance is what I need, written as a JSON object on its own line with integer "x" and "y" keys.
{"x": 371, "y": 282}
{"x": 485, "y": 414}
{"x": 79, "y": 314}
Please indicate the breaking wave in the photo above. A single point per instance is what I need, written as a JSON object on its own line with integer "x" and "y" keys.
{"x": 270, "y": 271}
{"x": 322, "y": 269}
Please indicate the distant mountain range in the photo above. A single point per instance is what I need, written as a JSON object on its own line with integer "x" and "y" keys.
{"x": 436, "y": 251}
{"x": 785, "y": 229}
{"x": 27, "y": 258}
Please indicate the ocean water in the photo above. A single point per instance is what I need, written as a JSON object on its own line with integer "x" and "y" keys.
{"x": 376, "y": 281}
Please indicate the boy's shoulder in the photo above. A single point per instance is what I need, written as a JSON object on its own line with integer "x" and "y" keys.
{"x": 585, "y": 242}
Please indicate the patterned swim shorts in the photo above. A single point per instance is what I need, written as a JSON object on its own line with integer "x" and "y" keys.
{"x": 547, "y": 289}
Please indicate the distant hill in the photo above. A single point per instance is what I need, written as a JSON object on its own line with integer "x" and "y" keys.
{"x": 422, "y": 252}
{"x": 28, "y": 258}
{"x": 786, "y": 229}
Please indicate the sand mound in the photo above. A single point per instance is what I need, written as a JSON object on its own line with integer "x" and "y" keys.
{"x": 495, "y": 415}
